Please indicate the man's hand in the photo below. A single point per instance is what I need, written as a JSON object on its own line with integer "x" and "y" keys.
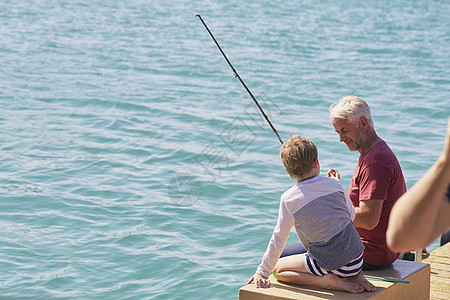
{"x": 334, "y": 173}
{"x": 260, "y": 281}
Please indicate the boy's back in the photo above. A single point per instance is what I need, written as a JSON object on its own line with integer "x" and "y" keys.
{"x": 322, "y": 216}
{"x": 323, "y": 220}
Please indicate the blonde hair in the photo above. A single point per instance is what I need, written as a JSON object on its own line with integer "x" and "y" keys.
{"x": 298, "y": 155}
{"x": 351, "y": 108}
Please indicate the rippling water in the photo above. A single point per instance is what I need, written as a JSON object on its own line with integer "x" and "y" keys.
{"x": 134, "y": 165}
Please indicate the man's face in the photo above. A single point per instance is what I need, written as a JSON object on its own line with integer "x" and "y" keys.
{"x": 349, "y": 133}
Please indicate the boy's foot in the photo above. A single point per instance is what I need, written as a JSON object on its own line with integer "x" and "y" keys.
{"x": 362, "y": 281}
{"x": 333, "y": 282}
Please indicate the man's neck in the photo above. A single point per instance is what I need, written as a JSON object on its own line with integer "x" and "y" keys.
{"x": 371, "y": 140}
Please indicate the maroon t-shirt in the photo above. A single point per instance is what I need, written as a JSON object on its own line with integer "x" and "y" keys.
{"x": 377, "y": 176}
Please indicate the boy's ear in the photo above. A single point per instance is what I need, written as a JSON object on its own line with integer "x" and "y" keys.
{"x": 316, "y": 163}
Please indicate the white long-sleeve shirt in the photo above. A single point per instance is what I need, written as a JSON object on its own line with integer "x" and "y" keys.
{"x": 322, "y": 215}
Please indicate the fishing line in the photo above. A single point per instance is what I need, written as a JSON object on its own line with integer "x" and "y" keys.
{"x": 239, "y": 77}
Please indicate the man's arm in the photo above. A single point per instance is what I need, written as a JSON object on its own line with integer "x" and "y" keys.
{"x": 368, "y": 214}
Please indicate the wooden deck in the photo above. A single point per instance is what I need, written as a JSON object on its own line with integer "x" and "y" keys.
{"x": 418, "y": 288}
{"x": 439, "y": 261}
{"x": 423, "y": 285}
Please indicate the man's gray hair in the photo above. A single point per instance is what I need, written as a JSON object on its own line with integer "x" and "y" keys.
{"x": 351, "y": 108}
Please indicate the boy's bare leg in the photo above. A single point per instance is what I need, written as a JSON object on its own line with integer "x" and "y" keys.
{"x": 292, "y": 269}
{"x": 362, "y": 281}
{"x": 329, "y": 281}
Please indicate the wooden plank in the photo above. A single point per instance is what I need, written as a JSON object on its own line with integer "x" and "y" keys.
{"x": 418, "y": 274}
{"x": 438, "y": 282}
{"x": 439, "y": 261}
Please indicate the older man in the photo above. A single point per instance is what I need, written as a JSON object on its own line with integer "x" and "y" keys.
{"x": 376, "y": 184}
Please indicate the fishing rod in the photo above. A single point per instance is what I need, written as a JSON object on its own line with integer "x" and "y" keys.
{"x": 239, "y": 77}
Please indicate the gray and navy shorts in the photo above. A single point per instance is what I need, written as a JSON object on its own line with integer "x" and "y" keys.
{"x": 349, "y": 270}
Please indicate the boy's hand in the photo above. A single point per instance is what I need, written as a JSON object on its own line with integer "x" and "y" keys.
{"x": 260, "y": 281}
{"x": 334, "y": 173}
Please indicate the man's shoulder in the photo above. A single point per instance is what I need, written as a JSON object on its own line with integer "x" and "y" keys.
{"x": 381, "y": 149}
{"x": 381, "y": 154}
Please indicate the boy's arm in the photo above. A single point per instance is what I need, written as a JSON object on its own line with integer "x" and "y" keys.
{"x": 351, "y": 208}
{"x": 277, "y": 241}
{"x": 335, "y": 174}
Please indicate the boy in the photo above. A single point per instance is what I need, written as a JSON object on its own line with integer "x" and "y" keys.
{"x": 322, "y": 215}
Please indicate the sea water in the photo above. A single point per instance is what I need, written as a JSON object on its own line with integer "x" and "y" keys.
{"x": 134, "y": 165}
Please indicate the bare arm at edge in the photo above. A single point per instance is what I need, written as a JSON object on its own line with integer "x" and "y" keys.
{"x": 422, "y": 214}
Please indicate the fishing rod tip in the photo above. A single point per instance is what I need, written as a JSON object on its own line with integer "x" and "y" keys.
{"x": 197, "y": 16}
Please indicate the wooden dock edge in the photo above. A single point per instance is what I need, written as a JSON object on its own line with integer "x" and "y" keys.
{"x": 440, "y": 272}
{"x": 418, "y": 275}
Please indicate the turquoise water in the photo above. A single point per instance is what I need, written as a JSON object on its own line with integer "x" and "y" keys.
{"x": 133, "y": 164}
